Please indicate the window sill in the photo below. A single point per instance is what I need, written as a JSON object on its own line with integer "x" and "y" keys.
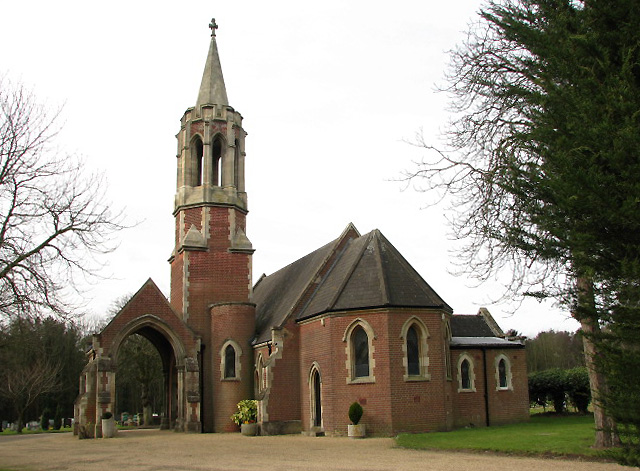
{"x": 416, "y": 378}
{"x": 467, "y": 390}
{"x": 232, "y": 380}
{"x": 363, "y": 380}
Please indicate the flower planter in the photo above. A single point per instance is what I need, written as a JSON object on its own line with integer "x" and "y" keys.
{"x": 356, "y": 431}
{"x": 249, "y": 429}
{"x": 108, "y": 428}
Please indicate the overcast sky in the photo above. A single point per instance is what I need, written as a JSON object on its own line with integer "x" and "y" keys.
{"x": 328, "y": 90}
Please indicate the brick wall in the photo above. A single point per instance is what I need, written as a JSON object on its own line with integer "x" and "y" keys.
{"x": 418, "y": 405}
{"x": 468, "y": 406}
{"x": 511, "y": 405}
{"x": 324, "y": 345}
{"x": 505, "y": 406}
{"x": 284, "y": 398}
{"x": 391, "y": 404}
{"x": 236, "y": 322}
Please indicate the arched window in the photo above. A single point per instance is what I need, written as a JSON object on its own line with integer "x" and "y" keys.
{"x": 503, "y": 373}
{"x": 236, "y": 164}
{"x": 415, "y": 350}
{"x": 230, "y": 354}
{"x": 466, "y": 374}
{"x": 361, "y": 352}
{"x": 447, "y": 350}
{"x": 261, "y": 376}
{"x": 216, "y": 160}
{"x": 197, "y": 164}
{"x": 229, "y": 362}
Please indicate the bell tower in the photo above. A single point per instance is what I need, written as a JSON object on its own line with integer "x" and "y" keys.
{"x": 211, "y": 262}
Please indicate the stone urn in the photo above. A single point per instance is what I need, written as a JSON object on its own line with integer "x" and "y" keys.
{"x": 108, "y": 426}
{"x": 249, "y": 430}
{"x": 356, "y": 431}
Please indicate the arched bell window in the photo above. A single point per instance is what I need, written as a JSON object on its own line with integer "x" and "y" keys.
{"x": 197, "y": 165}
{"x": 236, "y": 164}
{"x": 216, "y": 160}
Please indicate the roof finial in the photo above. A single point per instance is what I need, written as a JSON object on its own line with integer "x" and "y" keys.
{"x": 213, "y": 25}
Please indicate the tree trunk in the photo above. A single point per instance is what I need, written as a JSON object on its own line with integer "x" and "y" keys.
{"x": 147, "y": 415}
{"x": 20, "y": 421}
{"x": 147, "y": 410}
{"x": 606, "y": 430}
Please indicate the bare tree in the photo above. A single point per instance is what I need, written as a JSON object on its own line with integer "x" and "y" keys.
{"x": 23, "y": 386}
{"x": 54, "y": 218}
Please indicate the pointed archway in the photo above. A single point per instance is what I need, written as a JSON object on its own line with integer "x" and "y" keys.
{"x": 149, "y": 314}
{"x": 315, "y": 392}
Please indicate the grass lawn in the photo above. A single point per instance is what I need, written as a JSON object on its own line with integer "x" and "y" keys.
{"x": 26, "y": 431}
{"x": 562, "y": 435}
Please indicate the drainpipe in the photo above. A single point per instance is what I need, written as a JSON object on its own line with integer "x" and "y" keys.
{"x": 486, "y": 386}
{"x": 201, "y": 385}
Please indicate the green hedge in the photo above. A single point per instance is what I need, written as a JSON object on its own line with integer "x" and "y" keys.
{"x": 559, "y": 386}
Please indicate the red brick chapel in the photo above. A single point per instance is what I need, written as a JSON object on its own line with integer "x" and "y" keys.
{"x": 351, "y": 321}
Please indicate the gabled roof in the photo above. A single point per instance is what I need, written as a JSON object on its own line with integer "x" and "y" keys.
{"x": 479, "y": 330}
{"x": 470, "y": 326}
{"x": 277, "y": 295}
{"x": 479, "y": 325}
{"x": 371, "y": 273}
{"x": 352, "y": 272}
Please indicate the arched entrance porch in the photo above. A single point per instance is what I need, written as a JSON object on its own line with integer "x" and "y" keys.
{"x": 179, "y": 349}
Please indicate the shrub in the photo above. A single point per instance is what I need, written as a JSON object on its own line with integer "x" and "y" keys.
{"x": 557, "y": 385}
{"x": 355, "y": 413}
{"x": 578, "y": 388}
{"x": 57, "y": 418}
{"x": 247, "y": 412}
{"x": 548, "y": 385}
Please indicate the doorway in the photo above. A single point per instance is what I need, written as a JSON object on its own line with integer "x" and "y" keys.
{"x": 316, "y": 399}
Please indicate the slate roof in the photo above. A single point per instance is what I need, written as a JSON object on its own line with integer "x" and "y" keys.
{"x": 470, "y": 326}
{"x": 479, "y": 330}
{"x": 368, "y": 272}
{"x": 276, "y": 295}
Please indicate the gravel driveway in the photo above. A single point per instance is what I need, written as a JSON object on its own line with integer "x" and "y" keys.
{"x": 160, "y": 450}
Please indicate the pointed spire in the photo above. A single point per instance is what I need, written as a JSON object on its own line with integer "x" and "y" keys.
{"x": 212, "y": 89}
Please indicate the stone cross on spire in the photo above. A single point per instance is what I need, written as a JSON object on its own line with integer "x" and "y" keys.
{"x": 214, "y": 26}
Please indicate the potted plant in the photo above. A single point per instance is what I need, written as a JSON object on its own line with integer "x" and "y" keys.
{"x": 108, "y": 425}
{"x": 355, "y": 429}
{"x": 246, "y": 416}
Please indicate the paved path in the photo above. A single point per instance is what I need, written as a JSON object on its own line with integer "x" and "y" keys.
{"x": 164, "y": 450}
